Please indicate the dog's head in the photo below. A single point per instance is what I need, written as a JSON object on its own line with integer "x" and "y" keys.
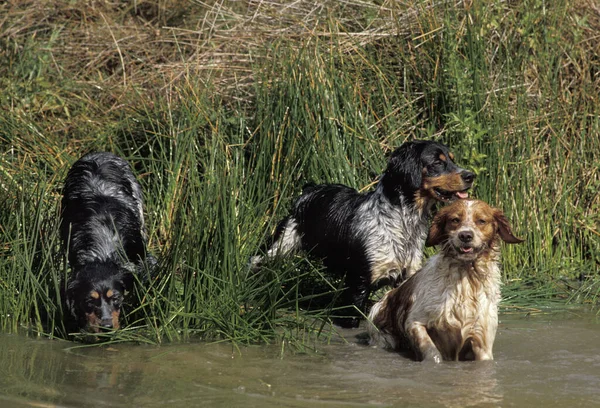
{"x": 468, "y": 228}
{"x": 95, "y": 294}
{"x": 423, "y": 171}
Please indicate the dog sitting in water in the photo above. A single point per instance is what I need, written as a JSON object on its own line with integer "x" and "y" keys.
{"x": 449, "y": 309}
{"x": 377, "y": 237}
{"x": 102, "y": 229}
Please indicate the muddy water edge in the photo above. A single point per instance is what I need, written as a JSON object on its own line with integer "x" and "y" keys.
{"x": 549, "y": 360}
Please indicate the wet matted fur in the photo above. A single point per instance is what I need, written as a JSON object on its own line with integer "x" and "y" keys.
{"x": 378, "y": 236}
{"x": 449, "y": 309}
{"x": 103, "y": 233}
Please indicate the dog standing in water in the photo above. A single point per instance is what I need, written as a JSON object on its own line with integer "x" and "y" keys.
{"x": 378, "y": 236}
{"x": 449, "y": 309}
{"x": 102, "y": 229}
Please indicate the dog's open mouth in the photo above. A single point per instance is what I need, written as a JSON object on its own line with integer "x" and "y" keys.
{"x": 466, "y": 250}
{"x": 445, "y": 195}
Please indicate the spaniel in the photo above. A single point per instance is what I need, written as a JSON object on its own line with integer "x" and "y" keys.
{"x": 103, "y": 233}
{"x": 449, "y": 309}
{"x": 373, "y": 238}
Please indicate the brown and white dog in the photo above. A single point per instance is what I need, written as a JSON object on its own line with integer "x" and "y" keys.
{"x": 449, "y": 309}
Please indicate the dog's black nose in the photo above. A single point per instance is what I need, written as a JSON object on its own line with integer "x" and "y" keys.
{"x": 467, "y": 176}
{"x": 465, "y": 236}
{"x": 106, "y": 323}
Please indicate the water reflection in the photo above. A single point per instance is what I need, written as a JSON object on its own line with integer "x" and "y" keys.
{"x": 538, "y": 363}
{"x": 41, "y": 370}
{"x": 477, "y": 385}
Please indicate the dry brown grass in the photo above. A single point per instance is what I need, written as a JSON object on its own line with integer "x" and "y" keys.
{"x": 119, "y": 46}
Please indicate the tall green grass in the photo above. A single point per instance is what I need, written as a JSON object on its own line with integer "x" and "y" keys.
{"x": 221, "y": 149}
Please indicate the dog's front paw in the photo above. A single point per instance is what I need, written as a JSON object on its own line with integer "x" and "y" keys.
{"x": 432, "y": 355}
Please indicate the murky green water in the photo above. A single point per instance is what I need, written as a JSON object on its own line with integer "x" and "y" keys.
{"x": 544, "y": 361}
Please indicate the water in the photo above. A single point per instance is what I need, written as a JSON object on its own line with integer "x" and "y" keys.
{"x": 543, "y": 361}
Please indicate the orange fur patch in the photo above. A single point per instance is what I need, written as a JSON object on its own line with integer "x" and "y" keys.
{"x": 115, "y": 319}
{"x": 94, "y": 294}
{"x": 93, "y": 322}
{"x": 109, "y": 293}
{"x": 448, "y": 182}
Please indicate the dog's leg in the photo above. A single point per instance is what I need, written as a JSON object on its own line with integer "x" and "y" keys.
{"x": 483, "y": 336}
{"x": 356, "y": 294}
{"x": 481, "y": 351}
{"x": 414, "y": 265}
{"x": 286, "y": 241}
{"x": 422, "y": 343}
{"x": 482, "y": 343}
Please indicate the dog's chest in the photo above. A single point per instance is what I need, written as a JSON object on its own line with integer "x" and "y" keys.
{"x": 463, "y": 303}
{"x": 394, "y": 239}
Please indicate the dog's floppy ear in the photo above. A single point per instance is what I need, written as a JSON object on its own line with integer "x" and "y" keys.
{"x": 504, "y": 229}
{"x": 70, "y": 295}
{"x": 436, "y": 231}
{"x": 404, "y": 171}
{"x": 126, "y": 276}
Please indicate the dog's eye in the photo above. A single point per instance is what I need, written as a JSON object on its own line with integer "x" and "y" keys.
{"x": 116, "y": 297}
{"x": 481, "y": 222}
{"x": 91, "y": 302}
{"x": 455, "y": 220}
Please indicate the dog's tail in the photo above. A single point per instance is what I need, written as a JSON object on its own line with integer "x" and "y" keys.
{"x": 255, "y": 261}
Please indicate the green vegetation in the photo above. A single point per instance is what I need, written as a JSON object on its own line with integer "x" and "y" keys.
{"x": 226, "y": 108}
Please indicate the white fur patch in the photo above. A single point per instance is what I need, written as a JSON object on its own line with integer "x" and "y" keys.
{"x": 287, "y": 243}
{"x": 394, "y": 236}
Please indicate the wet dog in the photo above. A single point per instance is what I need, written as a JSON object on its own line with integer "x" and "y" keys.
{"x": 102, "y": 229}
{"x": 449, "y": 309}
{"x": 377, "y": 237}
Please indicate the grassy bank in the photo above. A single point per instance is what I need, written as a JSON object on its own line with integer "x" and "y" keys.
{"x": 225, "y": 109}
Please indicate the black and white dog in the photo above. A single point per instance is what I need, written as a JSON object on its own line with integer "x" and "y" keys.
{"x": 377, "y": 237}
{"x": 102, "y": 229}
